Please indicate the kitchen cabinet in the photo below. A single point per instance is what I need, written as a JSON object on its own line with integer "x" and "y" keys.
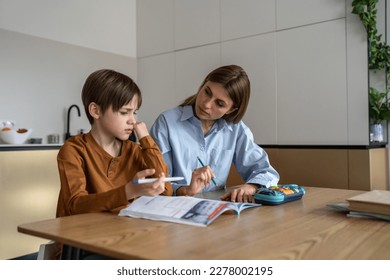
{"x": 29, "y": 187}
{"x": 357, "y": 168}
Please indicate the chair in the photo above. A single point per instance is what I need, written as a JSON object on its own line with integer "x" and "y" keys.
{"x": 48, "y": 251}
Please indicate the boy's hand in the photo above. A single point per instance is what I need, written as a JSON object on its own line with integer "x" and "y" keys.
{"x": 141, "y": 129}
{"x": 150, "y": 189}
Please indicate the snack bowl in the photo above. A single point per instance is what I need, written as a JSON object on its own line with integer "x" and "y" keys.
{"x": 7, "y": 124}
{"x": 12, "y": 136}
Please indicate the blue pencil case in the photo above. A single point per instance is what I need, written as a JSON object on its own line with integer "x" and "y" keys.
{"x": 276, "y": 195}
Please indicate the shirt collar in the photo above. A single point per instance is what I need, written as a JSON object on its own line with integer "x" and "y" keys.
{"x": 188, "y": 113}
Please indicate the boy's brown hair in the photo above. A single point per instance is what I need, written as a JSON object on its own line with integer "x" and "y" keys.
{"x": 108, "y": 88}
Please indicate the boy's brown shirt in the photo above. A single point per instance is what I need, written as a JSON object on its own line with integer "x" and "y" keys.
{"x": 94, "y": 181}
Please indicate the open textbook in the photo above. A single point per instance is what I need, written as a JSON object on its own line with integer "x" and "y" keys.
{"x": 181, "y": 209}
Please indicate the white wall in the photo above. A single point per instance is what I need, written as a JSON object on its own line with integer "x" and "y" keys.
{"x": 357, "y": 79}
{"x": 47, "y": 50}
{"x": 306, "y": 60}
{"x": 40, "y": 79}
{"x": 106, "y": 25}
{"x": 312, "y": 94}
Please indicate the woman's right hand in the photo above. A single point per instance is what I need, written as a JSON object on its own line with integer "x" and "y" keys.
{"x": 149, "y": 189}
{"x": 201, "y": 177}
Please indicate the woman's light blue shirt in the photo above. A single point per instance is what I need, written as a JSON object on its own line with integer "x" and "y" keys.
{"x": 180, "y": 137}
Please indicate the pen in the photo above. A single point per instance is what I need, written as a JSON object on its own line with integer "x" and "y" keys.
{"x": 150, "y": 180}
{"x": 201, "y": 163}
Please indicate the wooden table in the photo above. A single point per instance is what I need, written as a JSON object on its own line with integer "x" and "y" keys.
{"x": 304, "y": 229}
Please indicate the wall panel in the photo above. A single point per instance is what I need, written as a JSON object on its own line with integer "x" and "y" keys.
{"x": 311, "y": 76}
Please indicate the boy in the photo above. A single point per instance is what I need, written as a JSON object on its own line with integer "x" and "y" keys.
{"x": 96, "y": 168}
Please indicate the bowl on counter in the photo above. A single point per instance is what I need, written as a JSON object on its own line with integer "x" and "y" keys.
{"x": 7, "y": 124}
{"x": 12, "y": 136}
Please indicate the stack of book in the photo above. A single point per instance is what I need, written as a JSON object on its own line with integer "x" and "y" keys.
{"x": 372, "y": 204}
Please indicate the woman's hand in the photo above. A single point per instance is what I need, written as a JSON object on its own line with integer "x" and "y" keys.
{"x": 245, "y": 193}
{"x": 201, "y": 177}
{"x": 150, "y": 189}
{"x": 141, "y": 129}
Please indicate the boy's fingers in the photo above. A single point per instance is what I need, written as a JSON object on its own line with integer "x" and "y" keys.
{"x": 144, "y": 173}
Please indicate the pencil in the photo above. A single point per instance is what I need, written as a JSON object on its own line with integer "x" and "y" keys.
{"x": 201, "y": 163}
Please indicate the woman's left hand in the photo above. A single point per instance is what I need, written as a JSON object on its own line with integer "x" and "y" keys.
{"x": 242, "y": 194}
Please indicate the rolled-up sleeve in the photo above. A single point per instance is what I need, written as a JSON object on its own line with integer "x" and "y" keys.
{"x": 252, "y": 162}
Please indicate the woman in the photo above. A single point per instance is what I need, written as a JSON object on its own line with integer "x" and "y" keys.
{"x": 202, "y": 137}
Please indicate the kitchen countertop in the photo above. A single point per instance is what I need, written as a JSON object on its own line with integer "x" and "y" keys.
{"x": 24, "y": 147}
